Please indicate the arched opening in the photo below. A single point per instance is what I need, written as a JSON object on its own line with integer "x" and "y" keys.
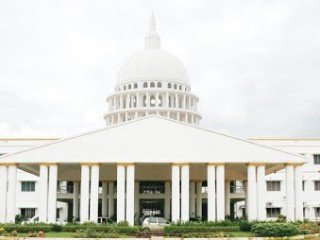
{"x": 175, "y": 86}
{"x": 180, "y": 87}
{"x": 152, "y": 85}
{"x": 169, "y": 85}
{"x": 124, "y": 88}
{"x": 152, "y": 101}
{"x": 160, "y": 101}
{"x": 159, "y": 85}
{"x": 144, "y": 101}
{"x": 145, "y": 84}
{"x": 129, "y": 86}
{"x": 135, "y": 85}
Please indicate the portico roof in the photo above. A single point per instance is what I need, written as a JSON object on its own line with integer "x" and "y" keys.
{"x": 152, "y": 139}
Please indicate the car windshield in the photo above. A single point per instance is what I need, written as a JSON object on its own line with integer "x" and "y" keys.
{"x": 152, "y": 220}
{"x": 162, "y": 220}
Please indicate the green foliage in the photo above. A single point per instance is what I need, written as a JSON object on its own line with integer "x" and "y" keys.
{"x": 2, "y": 231}
{"x": 92, "y": 233}
{"x": 175, "y": 230}
{"x": 275, "y": 229}
{"x": 308, "y": 227}
{"x": 225, "y": 223}
{"x": 18, "y": 218}
{"x": 25, "y": 228}
{"x": 205, "y": 235}
{"x": 56, "y": 228}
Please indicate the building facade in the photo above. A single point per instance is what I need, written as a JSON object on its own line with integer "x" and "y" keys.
{"x": 154, "y": 159}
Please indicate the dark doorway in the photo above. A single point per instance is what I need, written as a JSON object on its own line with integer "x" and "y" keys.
{"x": 152, "y": 207}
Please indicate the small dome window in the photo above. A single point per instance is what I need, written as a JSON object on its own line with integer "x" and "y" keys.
{"x": 180, "y": 87}
{"x": 124, "y": 87}
{"x": 152, "y": 85}
{"x": 175, "y": 86}
{"x": 169, "y": 85}
{"x": 129, "y": 86}
{"x": 135, "y": 85}
{"x": 159, "y": 85}
{"x": 145, "y": 84}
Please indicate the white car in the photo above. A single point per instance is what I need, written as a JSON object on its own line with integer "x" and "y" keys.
{"x": 154, "y": 222}
{"x": 35, "y": 219}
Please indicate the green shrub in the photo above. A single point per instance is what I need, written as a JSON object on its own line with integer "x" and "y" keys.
{"x": 205, "y": 235}
{"x": 245, "y": 226}
{"x": 307, "y": 227}
{"x": 56, "y": 228}
{"x": 207, "y": 223}
{"x": 174, "y": 230}
{"x": 27, "y": 228}
{"x": 91, "y": 233}
{"x": 2, "y": 230}
{"x": 274, "y": 229}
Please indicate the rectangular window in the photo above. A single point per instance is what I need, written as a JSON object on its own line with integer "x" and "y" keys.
{"x": 317, "y": 185}
{"x": 273, "y": 186}
{"x": 27, "y": 212}
{"x": 303, "y": 185}
{"x": 317, "y": 211}
{"x": 28, "y": 186}
{"x": 316, "y": 159}
{"x": 273, "y": 212}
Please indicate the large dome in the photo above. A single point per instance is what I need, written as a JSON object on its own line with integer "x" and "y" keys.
{"x": 153, "y": 64}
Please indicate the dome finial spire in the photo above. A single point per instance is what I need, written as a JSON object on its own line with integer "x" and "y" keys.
{"x": 152, "y": 23}
{"x": 152, "y": 40}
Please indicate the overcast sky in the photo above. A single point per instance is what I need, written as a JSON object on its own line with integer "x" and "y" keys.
{"x": 255, "y": 65}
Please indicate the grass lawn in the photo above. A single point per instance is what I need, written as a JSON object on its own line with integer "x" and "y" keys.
{"x": 240, "y": 234}
{"x": 52, "y": 234}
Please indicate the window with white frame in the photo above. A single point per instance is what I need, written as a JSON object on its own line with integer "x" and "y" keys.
{"x": 317, "y": 185}
{"x": 273, "y": 186}
{"x": 273, "y": 212}
{"x": 27, "y": 212}
{"x": 28, "y": 186}
{"x": 316, "y": 159}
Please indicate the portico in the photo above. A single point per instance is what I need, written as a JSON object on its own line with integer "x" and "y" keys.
{"x": 189, "y": 172}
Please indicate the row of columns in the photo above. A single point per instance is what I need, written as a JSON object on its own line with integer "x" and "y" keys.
{"x": 182, "y": 193}
{"x": 147, "y": 99}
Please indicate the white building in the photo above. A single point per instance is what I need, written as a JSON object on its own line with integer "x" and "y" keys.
{"x": 153, "y": 158}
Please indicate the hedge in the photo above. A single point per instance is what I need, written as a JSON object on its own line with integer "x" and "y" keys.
{"x": 71, "y": 228}
{"x": 179, "y": 230}
{"x": 275, "y": 229}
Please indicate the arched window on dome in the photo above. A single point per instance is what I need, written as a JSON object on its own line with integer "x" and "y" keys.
{"x": 159, "y": 85}
{"x": 135, "y": 85}
{"x": 152, "y": 85}
{"x": 124, "y": 87}
{"x": 169, "y": 85}
{"x": 175, "y": 86}
{"x": 129, "y": 86}
{"x": 180, "y": 87}
{"x": 152, "y": 101}
{"x": 145, "y": 84}
{"x": 135, "y": 101}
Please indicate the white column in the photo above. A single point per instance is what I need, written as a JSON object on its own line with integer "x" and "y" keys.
{"x": 298, "y": 193}
{"x": 76, "y": 191}
{"x": 175, "y": 193}
{"x": 185, "y": 205}
{"x": 11, "y": 197}
{"x": 192, "y": 199}
{"x": 52, "y": 195}
{"x": 121, "y": 193}
{"x": 43, "y": 187}
{"x": 94, "y": 194}
{"x": 252, "y": 193}
{"x": 111, "y": 200}
{"x": 84, "y": 195}
{"x": 220, "y": 193}
{"x": 261, "y": 192}
{"x": 227, "y": 192}
{"x": 104, "y": 199}
{"x": 130, "y": 195}
{"x": 167, "y": 199}
{"x": 290, "y": 193}
{"x": 211, "y": 194}
{"x": 199, "y": 200}
{"x": 3, "y": 193}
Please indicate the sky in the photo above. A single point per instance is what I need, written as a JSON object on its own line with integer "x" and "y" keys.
{"x": 255, "y": 65}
